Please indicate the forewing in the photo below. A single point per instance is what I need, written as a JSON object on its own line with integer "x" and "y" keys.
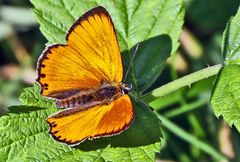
{"x": 90, "y": 57}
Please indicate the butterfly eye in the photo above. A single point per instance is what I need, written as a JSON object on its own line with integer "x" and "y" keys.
{"x": 125, "y": 91}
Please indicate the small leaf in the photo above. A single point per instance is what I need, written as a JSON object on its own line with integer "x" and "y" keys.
{"x": 225, "y": 97}
{"x": 24, "y": 136}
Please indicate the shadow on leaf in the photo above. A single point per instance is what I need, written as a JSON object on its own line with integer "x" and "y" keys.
{"x": 23, "y": 109}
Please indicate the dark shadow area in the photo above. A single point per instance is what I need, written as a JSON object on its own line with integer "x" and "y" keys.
{"x": 23, "y": 109}
{"x": 211, "y": 17}
{"x": 95, "y": 144}
{"x": 218, "y": 76}
{"x": 226, "y": 39}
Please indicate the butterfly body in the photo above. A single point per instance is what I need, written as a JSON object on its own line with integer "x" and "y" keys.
{"x": 92, "y": 97}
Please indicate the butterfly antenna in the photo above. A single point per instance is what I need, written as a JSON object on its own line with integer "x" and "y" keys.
{"x": 131, "y": 61}
{"x": 142, "y": 101}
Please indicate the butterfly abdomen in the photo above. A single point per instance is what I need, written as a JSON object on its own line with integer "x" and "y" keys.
{"x": 76, "y": 101}
{"x": 90, "y": 98}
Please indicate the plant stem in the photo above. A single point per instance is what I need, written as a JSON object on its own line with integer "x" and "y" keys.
{"x": 182, "y": 82}
{"x": 191, "y": 139}
{"x": 185, "y": 108}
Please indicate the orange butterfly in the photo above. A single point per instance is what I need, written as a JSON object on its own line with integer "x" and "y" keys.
{"x": 84, "y": 77}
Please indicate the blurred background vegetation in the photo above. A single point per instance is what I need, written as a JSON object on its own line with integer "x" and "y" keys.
{"x": 21, "y": 42}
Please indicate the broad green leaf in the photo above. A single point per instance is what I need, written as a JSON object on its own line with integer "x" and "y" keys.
{"x": 149, "y": 61}
{"x": 24, "y": 136}
{"x": 225, "y": 97}
{"x": 135, "y": 21}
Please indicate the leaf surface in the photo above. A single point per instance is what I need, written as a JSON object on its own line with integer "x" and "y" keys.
{"x": 226, "y": 94}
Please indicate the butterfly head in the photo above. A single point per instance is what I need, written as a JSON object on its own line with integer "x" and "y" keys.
{"x": 126, "y": 88}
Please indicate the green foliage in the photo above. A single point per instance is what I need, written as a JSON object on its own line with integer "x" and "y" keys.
{"x": 135, "y": 21}
{"x": 225, "y": 98}
{"x": 23, "y": 132}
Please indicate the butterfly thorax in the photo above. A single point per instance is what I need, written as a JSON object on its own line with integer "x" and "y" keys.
{"x": 92, "y": 97}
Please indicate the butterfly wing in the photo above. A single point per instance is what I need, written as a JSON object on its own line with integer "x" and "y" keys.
{"x": 91, "y": 56}
{"x": 72, "y": 126}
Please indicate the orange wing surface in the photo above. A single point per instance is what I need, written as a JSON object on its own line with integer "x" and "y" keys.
{"x": 72, "y": 126}
{"x": 91, "y": 56}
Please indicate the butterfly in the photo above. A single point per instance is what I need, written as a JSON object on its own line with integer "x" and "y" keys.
{"x": 84, "y": 77}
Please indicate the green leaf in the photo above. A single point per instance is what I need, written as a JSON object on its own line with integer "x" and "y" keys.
{"x": 135, "y": 21}
{"x": 24, "y": 136}
{"x": 225, "y": 97}
{"x": 231, "y": 41}
{"x": 32, "y": 97}
{"x": 149, "y": 61}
